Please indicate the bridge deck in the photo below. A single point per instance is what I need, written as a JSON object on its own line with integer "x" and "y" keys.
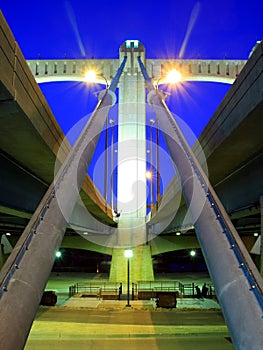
{"x": 30, "y": 136}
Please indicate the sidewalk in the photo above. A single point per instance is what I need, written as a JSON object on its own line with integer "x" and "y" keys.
{"x": 186, "y": 303}
{"x": 60, "y": 284}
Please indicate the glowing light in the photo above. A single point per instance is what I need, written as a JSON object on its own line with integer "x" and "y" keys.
{"x": 178, "y": 233}
{"x": 193, "y": 253}
{"x": 148, "y": 175}
{"x": 128, "y": 253}
{"x": 173, "y": 77}
{"x": 192, "y": 21}
{"x": 90, "y": 76}
{"x": 132, "y": 184}
{"x": 58, "y": 254}
{"x": 74, "y": 24}
{"x": 130, "y": 42}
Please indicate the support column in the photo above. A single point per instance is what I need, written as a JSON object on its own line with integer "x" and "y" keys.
{"x": 25, "y": 273}
{"x": 131, "y": 198}
{"x": 131, "y": 193}
{"x": 141, "y": 267}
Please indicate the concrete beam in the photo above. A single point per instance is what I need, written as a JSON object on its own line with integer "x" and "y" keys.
{"x": 222, "y": 71}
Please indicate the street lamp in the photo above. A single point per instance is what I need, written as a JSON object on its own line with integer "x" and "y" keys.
{"x": 58, "y": 254}
{"x": 91, "y": 76}
{"x": 172, "y": 77}
{"x": 193, "y": 253}
{"x": 128, "y": 253}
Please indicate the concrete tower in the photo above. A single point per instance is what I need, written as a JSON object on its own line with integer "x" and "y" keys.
{"x": 131, "y": 196}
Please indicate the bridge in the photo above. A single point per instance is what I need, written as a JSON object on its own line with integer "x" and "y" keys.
{"x": 131, "y": 73}
{"x": 222, "y": 71}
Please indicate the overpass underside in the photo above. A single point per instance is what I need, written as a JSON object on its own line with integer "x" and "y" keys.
{"x": 27, "y": 171}
{"x": 22, "y": 101}
{"x": 27, "y": 162}
{"x": 31, "y": 144}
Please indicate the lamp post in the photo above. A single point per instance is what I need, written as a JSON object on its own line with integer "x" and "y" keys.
{"x": 90, "y": 76}
{"x": 128, "y": 253}
{"x": 172, "y": 77}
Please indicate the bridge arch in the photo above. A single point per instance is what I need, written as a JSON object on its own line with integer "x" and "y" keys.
{"x": 219, "y": 71}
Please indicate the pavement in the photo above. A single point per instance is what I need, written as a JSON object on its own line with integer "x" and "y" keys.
{"x": 60, "y": 284}
{"x": 94, "y": 323}
{"x": 182, "y": 304}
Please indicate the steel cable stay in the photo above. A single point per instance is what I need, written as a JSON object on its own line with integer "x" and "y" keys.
{"x": 237, "y": 281}
{"x": 26, "y": 271}
{"x": 14, "y": 265}
{"x": 35, "y": 222}
{"x": 229, "y": 231}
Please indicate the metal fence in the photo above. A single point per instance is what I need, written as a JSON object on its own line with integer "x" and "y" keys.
{"x": 95, "y": 289}
{"x": 142, "y": 289}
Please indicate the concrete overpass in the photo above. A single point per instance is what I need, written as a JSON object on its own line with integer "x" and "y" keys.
{"x": 232, "y": 144}
{"x": 29, "y": 141}
{"x": 233, "y": 147}
{"x": 239, "y": 288}
{"x": 31, "y": 137}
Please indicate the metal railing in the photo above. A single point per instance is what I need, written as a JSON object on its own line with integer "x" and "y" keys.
{"x": 142, "y": 289}
{"x": 183, "y": 290}
{"x": 95, "y": 289}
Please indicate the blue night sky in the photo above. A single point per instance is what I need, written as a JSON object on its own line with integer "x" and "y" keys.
{"x": 190, "y": 29}
{"x": 83, "y": 29}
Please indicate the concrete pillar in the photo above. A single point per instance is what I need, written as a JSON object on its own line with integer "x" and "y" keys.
{"x": 141, "y": 267}
{"x": 26, "y": 271}
{"x": 131, "y": 139}
{"x": 261, "y": 232}
{"x": 236, "y": 279}
{"x": 131, "y": 198}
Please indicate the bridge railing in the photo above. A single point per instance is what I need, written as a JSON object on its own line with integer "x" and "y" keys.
{"x": 95, "y": 289}
{"x": 142, "y": 290}
{"x": 150, "y": 289}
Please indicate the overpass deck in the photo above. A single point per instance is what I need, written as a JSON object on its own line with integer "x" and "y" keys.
{"x": 233, "y": 147}
{"x": 30, "y": 138}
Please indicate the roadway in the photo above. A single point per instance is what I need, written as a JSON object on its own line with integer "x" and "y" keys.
{"x": 30, "y": 139}
{"x": 60, "y": 328}
{"x": 86, "y": 323}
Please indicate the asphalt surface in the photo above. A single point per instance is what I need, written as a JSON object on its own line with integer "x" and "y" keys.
{"x": 130, "y": 317}
{"x": 66, "y": 328}
{"x": 95, "y": 324}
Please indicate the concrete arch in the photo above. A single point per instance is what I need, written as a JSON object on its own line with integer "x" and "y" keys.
{"x": 220, "y": 71}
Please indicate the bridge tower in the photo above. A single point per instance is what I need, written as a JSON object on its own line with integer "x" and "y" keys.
{"x": 131, "y": 196}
